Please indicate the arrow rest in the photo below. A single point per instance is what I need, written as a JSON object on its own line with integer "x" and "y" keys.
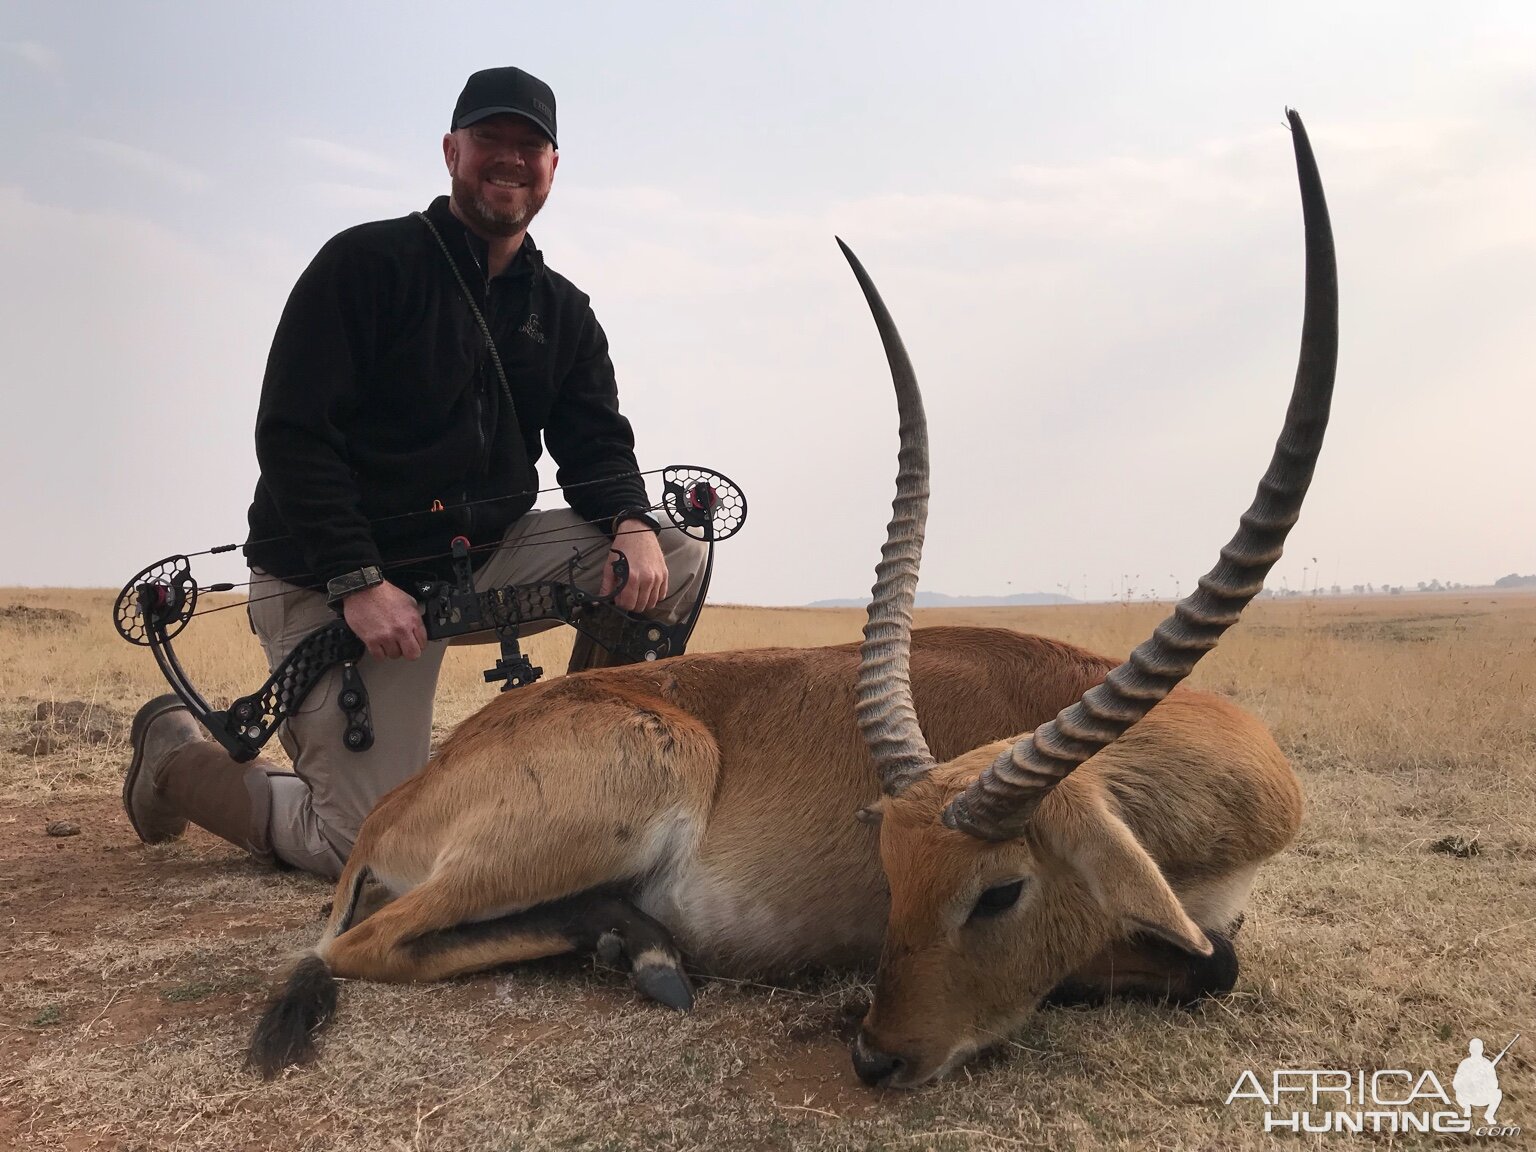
{"x": 513, "y": 668}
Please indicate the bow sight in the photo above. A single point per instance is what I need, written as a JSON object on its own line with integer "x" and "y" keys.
{"x": 159, "y": 602}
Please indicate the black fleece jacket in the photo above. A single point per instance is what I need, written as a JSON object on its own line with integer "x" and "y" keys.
{"x": 380, "y": 398}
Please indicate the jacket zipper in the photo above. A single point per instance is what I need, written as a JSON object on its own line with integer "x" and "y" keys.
{"x": 483, "y": 396}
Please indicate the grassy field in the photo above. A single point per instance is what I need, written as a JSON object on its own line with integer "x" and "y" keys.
{"x": 1400, "y": 924}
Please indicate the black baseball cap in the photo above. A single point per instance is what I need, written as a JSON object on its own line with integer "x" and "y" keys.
{"x": 493, "y": 91}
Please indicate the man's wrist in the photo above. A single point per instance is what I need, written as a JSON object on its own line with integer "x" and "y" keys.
{"x": 340, "y": 587}
{"x": 643, "y": 515}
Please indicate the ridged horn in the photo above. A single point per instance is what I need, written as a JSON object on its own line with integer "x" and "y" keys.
{"x": 999, "y": 803}
{"x": 887, "y": 719}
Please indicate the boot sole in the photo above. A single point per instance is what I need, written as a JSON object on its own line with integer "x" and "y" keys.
{"x": 146, "y": 715}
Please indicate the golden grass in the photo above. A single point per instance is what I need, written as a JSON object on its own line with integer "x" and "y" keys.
{"x": 128, "y": 976}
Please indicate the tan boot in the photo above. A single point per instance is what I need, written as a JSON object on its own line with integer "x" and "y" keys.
{"x": 160, "y": 728}
{"x": 178, "y": 775}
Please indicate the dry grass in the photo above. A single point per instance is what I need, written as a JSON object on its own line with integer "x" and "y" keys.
{"x": 1401, "y": 923}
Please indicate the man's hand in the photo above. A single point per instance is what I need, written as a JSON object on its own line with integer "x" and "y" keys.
{"x": 387, "y": 620}
{"x": 647, "y": 585}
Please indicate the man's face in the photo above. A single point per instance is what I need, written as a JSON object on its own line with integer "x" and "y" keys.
{"x": 502, "y": 168}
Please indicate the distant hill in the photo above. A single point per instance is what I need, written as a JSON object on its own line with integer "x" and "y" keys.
{"x": 940, "y": 600}
{"x": 1515, "y": 580}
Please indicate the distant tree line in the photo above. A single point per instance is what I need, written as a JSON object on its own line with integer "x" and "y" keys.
{"x": 1396, "y": 589}
{"x": 1515, "y": 580}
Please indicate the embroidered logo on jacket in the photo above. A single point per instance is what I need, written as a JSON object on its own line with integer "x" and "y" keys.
{"x": 531, "y": 328}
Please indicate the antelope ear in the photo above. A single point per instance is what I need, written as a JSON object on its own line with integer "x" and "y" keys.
{"x": 872, "y": 814}
{"x": 1123, "y": 878}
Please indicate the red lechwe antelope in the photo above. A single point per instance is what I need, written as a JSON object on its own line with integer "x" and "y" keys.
{"x": 705, "y": 806}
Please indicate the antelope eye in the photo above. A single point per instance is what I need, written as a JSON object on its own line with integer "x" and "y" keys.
{"x": 998, "y": 899}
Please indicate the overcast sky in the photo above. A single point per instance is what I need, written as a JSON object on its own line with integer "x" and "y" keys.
{"x": 1083, "y": 217}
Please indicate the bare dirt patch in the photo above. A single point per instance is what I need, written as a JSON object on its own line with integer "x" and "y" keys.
{"x": 1401, "y": 923}
{"x": 57, "y": 725}
{"x": 29, "y": 617}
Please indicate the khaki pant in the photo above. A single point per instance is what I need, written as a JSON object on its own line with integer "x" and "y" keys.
{"x": 317, "y": 810}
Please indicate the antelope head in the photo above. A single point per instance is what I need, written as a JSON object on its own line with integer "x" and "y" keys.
{"x": 1006, "y": 872}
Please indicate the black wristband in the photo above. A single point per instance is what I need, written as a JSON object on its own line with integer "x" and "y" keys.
{"x": 342, "y": 586}
{"x": 641, "y": 514}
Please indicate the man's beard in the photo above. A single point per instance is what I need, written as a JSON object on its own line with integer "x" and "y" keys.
{"x": 490, "y": 221}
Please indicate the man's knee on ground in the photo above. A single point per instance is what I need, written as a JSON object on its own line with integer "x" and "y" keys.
{"x": 300, "y": 837}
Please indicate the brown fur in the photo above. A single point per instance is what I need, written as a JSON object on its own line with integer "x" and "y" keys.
{"x": 718, "y": 792}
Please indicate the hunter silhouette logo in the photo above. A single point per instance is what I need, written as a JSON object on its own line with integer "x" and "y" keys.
{"x": 1338, "y": 1100}
{"x": 1476, "y": 1082}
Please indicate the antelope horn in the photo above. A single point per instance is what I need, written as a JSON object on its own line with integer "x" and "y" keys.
{"x": 999, "y": 803}
{"x": 887, "y": 719}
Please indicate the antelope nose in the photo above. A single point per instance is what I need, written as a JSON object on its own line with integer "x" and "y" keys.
{"x": 874, "y": 1067}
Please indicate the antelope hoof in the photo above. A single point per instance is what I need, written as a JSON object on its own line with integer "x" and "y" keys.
{"x": 610, "y": 948}
{"x": 660, "y": 977}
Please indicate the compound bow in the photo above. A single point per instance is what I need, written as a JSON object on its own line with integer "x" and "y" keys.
{"x": 161, "y": 600}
